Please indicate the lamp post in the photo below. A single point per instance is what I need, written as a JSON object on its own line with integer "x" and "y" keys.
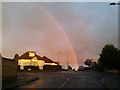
{"x": 67, "y": 64}
{"x": 117, "y": 3}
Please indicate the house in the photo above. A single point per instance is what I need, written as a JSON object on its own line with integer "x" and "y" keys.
{"x": 31, "y": 60}
{"x": 9, "y": 67}
{"x": 50, "y": 65}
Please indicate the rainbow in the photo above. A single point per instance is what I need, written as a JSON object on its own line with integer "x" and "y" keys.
{"x": 63, "y": 32}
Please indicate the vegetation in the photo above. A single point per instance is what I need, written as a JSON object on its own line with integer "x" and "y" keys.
{"x": 90, "y": 63}
{"x": 109, "y": 58}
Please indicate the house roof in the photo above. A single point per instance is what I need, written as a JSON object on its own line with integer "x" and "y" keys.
{"x": 38, "y": 57}
{"x": 6, "y": 58}
{"x": 26, "y": 56}
{"x": 47, "y": 60}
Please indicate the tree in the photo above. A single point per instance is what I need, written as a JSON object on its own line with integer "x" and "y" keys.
{"x": 88, "y": 62}
{"x": 100, "y": 67}
{"x": 109, "y": 58}
{"x": 69, "y": 67}
{"x": 117, "y": 65}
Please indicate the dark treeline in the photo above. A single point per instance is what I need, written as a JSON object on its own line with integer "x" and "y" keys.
{"x": 109, "y": 58}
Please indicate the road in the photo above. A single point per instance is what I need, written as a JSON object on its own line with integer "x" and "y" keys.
{"x": 82, "y": 79}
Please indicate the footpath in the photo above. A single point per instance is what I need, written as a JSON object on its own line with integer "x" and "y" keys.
{"x": 21, "y": 79}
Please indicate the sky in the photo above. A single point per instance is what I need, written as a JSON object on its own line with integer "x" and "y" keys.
{"x": 73, "y": 31}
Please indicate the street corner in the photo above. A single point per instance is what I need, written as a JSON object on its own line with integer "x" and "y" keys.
{"x": 21, "y": 80}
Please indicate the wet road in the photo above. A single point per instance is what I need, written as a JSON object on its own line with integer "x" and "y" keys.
{"x": 82, "y": 79}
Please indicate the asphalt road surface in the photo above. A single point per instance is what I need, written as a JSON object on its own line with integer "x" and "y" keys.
{"x": 81, "y": 79}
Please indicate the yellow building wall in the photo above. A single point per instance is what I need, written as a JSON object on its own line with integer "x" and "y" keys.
{"x": 51, "y": 64}
{"x": 31, "y": 54}
{"x": 33, "y": 62}
{"x": 24, "y": 62}
{"x": 30, "y": 62}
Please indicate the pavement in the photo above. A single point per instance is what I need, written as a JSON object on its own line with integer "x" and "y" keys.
{"x": 82, "y": 79}
{"x": 22, "y": 79}
{"x": 70, "y": 79}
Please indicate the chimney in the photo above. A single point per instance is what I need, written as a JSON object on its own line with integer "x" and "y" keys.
{"x": 16, "y": 57}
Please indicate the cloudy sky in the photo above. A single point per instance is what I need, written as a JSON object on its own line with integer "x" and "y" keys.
{"x": 78, "y": 30}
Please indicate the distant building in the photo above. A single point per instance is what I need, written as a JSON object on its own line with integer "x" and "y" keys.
{"x": 31, "y": 59}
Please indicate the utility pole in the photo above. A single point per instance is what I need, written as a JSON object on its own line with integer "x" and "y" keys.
{"x": 67, "y": 64}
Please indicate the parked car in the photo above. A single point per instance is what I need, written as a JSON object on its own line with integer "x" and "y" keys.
{"x": 81, "y": 68}
{"x": 29, "y": 69}
{"x": 75, "y": 70}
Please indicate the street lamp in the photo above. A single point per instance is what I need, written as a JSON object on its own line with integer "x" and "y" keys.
{"x": 118, "y": 3}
